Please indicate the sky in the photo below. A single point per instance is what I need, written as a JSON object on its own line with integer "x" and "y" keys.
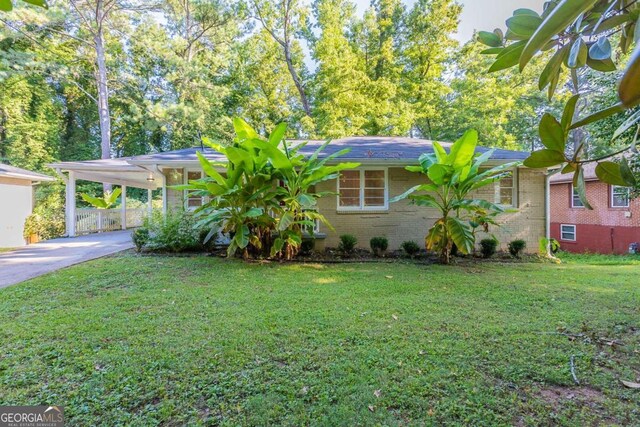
{"x": 479, "y": 14}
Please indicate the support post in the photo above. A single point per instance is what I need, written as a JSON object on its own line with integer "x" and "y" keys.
{"x": 149, "y": 202}
{"x": 123, "y": 207}
{"x": 71, "y": 205}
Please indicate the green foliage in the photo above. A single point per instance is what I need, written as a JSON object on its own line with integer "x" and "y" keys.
{"x": 379, "y": 245}
{"x": 347, "y": 244}
{"x": 488, "y": 247}
{"x": 516, "y": 247}
{"x": 580, "y": 35}
{"x": 174, "y": 232}
{"x": 105, "y": 202}
{"x": 140, "y": 237}
{"x": 307, "y": 246}
{"x": 410, "y": 247}
{"x": 47, "y": 220}
{"x": 453, "y": 176}
{"x": 266, "y": 199}
{"x": 548, "y": 245}
{"x": 7, "y": 5}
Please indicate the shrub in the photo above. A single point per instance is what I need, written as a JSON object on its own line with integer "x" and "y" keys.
{"x": 46, "y": 225}
{"x": 488, "y": 247}
{"x": 552, "y": 243}
{"x": 516, "y": 247}
{"x": 410, "y": 247}
{"x": 175, "y": 232}
{"x": 140, "y": 237}
{"x": 379, "y": 245}
{"x": 306, "y": 247}
{"x": 347, "y": 244}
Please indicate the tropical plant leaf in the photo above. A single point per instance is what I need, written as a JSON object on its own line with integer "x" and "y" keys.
{"x": 439, "y": 174}
{"x": 628, "y": 124}
{"x": 243, "y": 130}
{"x": 461, "y": 234}
{"x": 277, "y": 134}
{"x": 557, "y": 19}
{"x": 463, "y": 150}
{"x": 209, "y": 170}
{"x": 544, "y": 158}
{"x": 610, "y": 173}
{"x": 94, "y": 201}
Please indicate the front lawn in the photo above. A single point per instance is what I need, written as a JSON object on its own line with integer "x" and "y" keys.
{"x": 170, "y": 340}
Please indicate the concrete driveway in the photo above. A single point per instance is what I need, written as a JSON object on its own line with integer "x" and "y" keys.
{"x": 41, "y": 258}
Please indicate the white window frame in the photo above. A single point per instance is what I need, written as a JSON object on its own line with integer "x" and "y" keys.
{"x": 611, "y": 198}
{"x": 575, "y": 232}
{"x": 362, "y": 207}
{"x": 497, "y": 197}
{"x": 186, "y": 192}
{"x": 574, "y": 194}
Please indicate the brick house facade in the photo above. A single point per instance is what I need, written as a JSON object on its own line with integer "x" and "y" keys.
{"x": 612, "y": 225}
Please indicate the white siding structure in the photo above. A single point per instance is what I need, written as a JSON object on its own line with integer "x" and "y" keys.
{"x": 16, "y": 203}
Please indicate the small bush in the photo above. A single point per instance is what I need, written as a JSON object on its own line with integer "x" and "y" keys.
{"x": 347, "y": 243}
{"x": 410, "y": 247}
{"x": 175, "y": 232}
{"x": 552, "y": 244}
{"x": 516, "y": 247}
{"x": 488, "y": 247}
{"x": 140, "y": 237}
{"x": 306, "y": 247}
{"x": 379, "y": 245}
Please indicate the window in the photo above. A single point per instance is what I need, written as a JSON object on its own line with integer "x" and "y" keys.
{"x": 193, "y": 201}
{"x": 575, "y": 199}
{"x": 362, "y": 189}
{"x": 568, "y": 232}
{"x": 505, "y": 190}
{"x": 619, "y": 196}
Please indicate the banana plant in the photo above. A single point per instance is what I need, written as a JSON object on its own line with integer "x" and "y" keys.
{"x": 298, "y": 199}
{"x": 453, "y": 176}
{"x": 105, "y": 202}
{"x": 266, "y": 200}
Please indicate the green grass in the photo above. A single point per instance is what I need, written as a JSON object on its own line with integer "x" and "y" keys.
{"x": 2, "y": 250}
{"x": 168, "y": 340}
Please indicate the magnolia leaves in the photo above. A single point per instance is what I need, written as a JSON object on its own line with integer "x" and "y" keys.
{"x": 554, "y": 135}
{"x": 578, "y": 30}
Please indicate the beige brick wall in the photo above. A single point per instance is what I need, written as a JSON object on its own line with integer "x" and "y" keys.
{"x": 405, "y": 221}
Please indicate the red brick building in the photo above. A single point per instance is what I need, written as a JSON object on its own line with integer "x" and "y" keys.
{"x": 612, "y": 225}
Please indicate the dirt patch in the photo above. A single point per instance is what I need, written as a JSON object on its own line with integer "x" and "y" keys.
{"x": 557, "y": 396}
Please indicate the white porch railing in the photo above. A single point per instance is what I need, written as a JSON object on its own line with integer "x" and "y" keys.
{"x": 97, "y": 220}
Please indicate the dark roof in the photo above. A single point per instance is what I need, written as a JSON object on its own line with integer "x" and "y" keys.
{"x": 363, "y": 148}
{"x": 14, "y": 172}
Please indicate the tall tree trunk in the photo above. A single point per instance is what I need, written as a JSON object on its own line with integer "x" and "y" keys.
{"x": 103, "y": 89}
{"x": 297, "y": 81}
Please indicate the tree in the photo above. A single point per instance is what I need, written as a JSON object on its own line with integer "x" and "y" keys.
{"x": 284, "y": 21}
